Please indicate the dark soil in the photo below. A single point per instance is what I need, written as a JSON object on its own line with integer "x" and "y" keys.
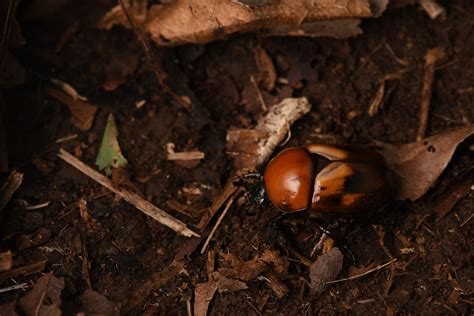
{"x": 125, "y": 248}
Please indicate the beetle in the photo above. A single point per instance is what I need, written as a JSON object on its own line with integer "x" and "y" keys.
{"x": 343, "y": 180}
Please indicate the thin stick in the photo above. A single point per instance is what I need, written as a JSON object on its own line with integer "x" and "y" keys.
{"x": 133, "y": 198}
{"x": 219, "y": 220}
{"x": 156, "y": 66}
{"x": 260, "y": 96}
{"x": 20, "y": 286}
{"x": 363, "y": 274}
{"x": 431, "y": 57}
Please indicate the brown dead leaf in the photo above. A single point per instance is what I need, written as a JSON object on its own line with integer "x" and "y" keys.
{"x": 326, "y": 268}
{"x": 95, "y": 303}
{"x": 82, "y": 113}
{"x": 202, "y": 297}
{"x": 45, "y": 298}
{"x": 12, "y": 72}
{"x": 8, "y": 309}
{"x": 267, "y": 72}
{"x": 418, "y": 165}
{"x": 168, "y": 24}
{"x": 115, "y": 16}
{"x": 119, "y": 67}
{"x": 6, "y": 260}
{"x": 228, "y": 285}
{"x": 25, "y": 270}
{"x": 458, "y": 188}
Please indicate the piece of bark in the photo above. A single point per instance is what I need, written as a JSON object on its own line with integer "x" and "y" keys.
{"x": 169, "y": 23}
{"x": 252, "y": 147}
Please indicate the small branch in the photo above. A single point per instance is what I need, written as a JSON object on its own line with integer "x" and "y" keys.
{"x": 431, "y": 57}
{"x": 20, "y": 286}
{"x": 219, "y": 220}
{"x": 362, "y": 274}
{"x": 133, "y": 198}
{"x": 156, "y": 66}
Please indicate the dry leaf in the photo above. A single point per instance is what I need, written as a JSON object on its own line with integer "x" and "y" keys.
{"x": 115, "y": 16}
{"x": 228, "y": 285}
{"x": 25, "y": 270}
{"x": 82, "y": 113}
{"x": 169, "y": 23}
{"x": 266, "y": 68}
{"x": 202, "y": 297}
{"x": 458, "y": 188}
{"x": 97, "y": 304}
{"x": 326, "y": 268}
{"x": 418, "y": 165}
{"x": 8, "y": 309}
{"x": 45, "y": 298}
{"x": 6, "y": 260}
{"x": 119, "y": 67}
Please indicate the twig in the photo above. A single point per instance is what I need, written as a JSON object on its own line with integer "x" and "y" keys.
{"x": 219, "y": 220}
{"x": 259, "y": 94}
{"x": 362, "y": 274}
{"x": 20, "y": 286}
{"x": 431, "y": 57}
{"x": 37, "y": 206}
{"x": 66, "y": 138}
{"x": 9, "y": 188}
{"x": 7, "y": 29}
{"x": 377, "y": 101}
{"x": 133, "y": 198}
{"x": 25, "y": 270}
{"x": 156, "y": 66}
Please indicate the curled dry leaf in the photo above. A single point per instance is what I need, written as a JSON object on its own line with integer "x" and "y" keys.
{"x": 82, "y": 113}
{"x": 418, "y": 165}
{"x": 326, "y": 268}
{"x": 168, "y": 24}
{"x": 45, "y": 298}
{"x": 97, "y": 304}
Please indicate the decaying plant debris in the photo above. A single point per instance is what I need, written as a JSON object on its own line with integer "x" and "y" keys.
{"x": 195, "y": 118}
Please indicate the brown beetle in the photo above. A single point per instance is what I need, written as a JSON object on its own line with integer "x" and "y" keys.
{"x": 344, "y": 180}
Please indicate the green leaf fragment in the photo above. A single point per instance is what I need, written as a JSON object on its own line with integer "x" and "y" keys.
{"x": 110, "y": 156}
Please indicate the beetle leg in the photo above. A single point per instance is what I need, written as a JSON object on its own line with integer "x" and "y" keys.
{"x": 327, "y": 233}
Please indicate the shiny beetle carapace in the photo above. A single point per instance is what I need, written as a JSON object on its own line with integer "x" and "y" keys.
{"x": 332, "y": 179}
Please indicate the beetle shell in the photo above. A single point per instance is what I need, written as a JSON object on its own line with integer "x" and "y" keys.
{"x": 330, "y": 179}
